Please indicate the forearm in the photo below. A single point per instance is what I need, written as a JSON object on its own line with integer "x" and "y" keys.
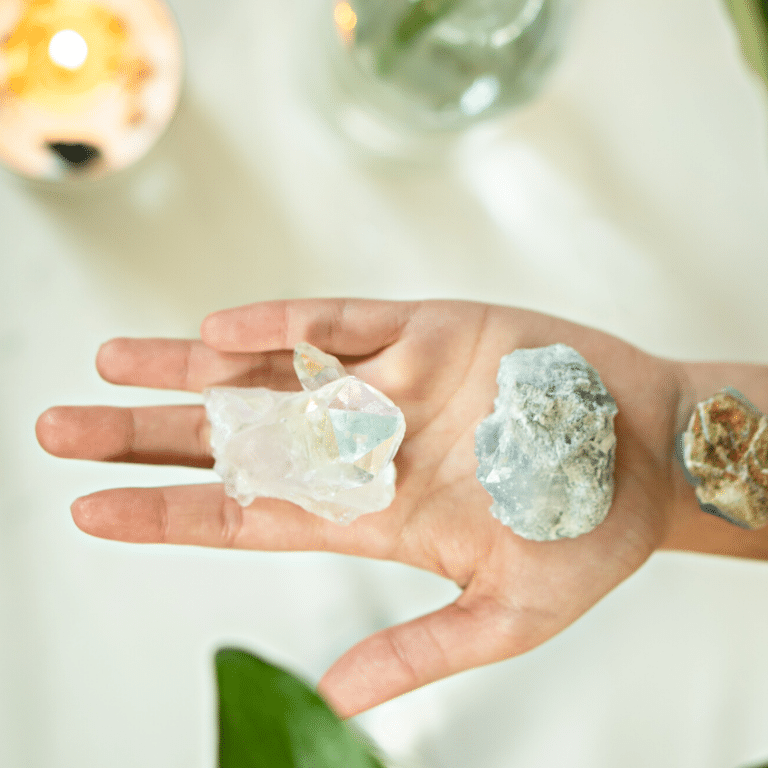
{"x": 689, "y": 528}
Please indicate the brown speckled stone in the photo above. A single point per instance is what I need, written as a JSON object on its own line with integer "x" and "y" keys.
{"x": 725, "y": 448}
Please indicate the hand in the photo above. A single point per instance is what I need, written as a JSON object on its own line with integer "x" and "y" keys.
{"x": 438, "y": 361}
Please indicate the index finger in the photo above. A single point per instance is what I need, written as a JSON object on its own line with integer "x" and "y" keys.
{"x": 339, "y": 326}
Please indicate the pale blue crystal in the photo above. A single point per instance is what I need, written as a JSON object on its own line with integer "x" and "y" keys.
{"x": 546, "y": 453}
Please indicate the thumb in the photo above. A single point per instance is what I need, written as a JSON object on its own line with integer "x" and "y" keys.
{"x": 405, "y": 657}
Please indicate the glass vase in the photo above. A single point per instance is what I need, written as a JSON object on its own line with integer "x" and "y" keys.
{"x": 398, "y": 70}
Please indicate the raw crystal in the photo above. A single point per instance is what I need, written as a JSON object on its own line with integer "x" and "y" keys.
{"x": 725, "y": 449}
{"x": 546, "y": 453}
{"x": 315, "y": 368}
{"x": 328, "y": 448}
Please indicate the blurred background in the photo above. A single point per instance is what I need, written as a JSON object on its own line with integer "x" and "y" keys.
{"x": 630, "y": 195}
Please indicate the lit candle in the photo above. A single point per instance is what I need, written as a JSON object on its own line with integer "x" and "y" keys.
{"x": 62, "y": 50}
{"x": 85, "y": 84}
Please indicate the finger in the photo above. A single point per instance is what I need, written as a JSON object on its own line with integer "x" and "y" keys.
{"x": 189, "y": 365}
{"x": 151, "y": 435}
{"x": 339, "y": 326}
{"x": 203, "y": 515}
{"x": 465, "y": 634}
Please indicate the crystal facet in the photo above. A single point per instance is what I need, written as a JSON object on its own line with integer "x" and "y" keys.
{"x": 725, "y": 449}
{"x": 328, "y": 448}
{"x": 546, "y": 453}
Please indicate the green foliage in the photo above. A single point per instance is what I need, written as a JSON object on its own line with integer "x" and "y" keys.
{"x": 751, "y": 20}
{"x": 420, "y": 16}
{"x": 270, "y": 719}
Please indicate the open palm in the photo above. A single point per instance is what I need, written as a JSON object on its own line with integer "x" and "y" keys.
{"x": 437, "y": 361}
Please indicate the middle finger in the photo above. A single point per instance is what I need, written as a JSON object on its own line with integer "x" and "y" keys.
{"x": 169, "y": 434}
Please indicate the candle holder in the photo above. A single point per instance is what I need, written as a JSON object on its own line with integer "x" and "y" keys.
{"x": 86, "y": 86}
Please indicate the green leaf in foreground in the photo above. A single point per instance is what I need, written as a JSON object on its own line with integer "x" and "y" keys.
{"x": 270, "y": 719}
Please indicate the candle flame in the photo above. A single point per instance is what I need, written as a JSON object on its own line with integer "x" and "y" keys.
{"x": 345, "y": 18}
{"x": 68, "y": 49}
{"x": 61, "y": 51}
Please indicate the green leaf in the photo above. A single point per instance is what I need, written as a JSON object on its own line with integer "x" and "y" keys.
{"x": 751, "y": 20}
{"x": 421, "y": 15}
{"x": 270, "y": 719}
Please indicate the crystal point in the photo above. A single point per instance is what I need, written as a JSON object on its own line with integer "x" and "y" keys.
{"x": 328, "y": 448}
{"x": 314, "y": 367}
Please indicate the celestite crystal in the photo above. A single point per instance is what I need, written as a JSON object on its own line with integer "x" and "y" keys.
{"x": 328, "y": 448}
{"x": 546, "y": 453}
{"x": 725, "y": 449}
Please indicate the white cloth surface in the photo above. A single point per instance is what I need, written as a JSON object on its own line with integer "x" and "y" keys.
{"x": 631, "y": 196}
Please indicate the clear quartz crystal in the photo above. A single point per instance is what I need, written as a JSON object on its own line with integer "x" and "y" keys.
{"x": 328, "y": 448}
{"x": 314, "y": 368}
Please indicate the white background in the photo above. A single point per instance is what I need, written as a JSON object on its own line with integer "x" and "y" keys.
{"x": 632, "y": 196}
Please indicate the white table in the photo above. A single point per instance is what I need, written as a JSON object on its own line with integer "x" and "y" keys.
{"x": 632, "y": 196}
